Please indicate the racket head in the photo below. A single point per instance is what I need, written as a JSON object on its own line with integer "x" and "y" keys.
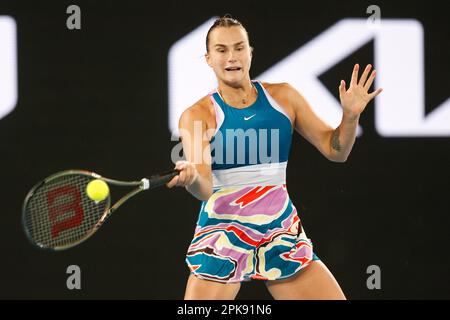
{"x": 57, "y": 214}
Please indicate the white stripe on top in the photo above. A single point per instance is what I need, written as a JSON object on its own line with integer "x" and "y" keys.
{"x": 266, "y": 174}
{"x": 220, "y": 116}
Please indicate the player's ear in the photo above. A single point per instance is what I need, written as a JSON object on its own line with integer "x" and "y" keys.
{"x": 208, "y": 59}
{"x": 251, "y": 51}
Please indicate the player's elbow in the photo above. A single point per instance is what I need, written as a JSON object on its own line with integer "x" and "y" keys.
{"x": 342, "y": 160}
{"x": 334, "y": 154}
{"x": 336, "y": 157}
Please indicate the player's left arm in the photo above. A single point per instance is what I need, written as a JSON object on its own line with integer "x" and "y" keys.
{"x": 334, "y": 144}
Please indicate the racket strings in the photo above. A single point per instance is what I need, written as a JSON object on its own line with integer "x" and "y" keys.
{"x": 59, "y": 213}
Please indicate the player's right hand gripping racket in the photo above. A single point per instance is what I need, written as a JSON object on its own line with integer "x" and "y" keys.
{"x": 57, "y": 214}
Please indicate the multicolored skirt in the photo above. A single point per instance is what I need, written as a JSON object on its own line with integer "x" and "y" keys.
{"x": 246, "y": 233}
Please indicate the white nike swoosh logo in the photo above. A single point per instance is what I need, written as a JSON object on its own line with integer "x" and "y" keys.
{"x": 248, "y": 118}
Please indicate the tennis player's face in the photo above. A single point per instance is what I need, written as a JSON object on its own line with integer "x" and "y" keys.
{"x": 229, "y": 55}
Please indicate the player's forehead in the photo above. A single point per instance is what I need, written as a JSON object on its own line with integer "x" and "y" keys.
{"x": 228, "y": 36}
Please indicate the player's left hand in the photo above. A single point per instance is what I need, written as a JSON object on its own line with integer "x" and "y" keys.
{"x": 355, "y": 99}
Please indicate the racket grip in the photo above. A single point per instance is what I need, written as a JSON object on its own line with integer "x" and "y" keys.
{"x": 161, "y": 179}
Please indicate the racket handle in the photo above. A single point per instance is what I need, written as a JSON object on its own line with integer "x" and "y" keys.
{"x": 162, "y": 178}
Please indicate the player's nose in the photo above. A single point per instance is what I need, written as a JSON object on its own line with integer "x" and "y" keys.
{"x": 231, "y": 57}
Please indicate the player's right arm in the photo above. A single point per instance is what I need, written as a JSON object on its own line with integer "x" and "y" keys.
{"x": 195, "y": 171}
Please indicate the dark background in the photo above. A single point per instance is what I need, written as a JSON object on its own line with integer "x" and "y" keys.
{"x": 96, "y": 99}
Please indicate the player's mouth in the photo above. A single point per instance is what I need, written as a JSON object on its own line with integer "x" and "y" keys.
{"x": 233, "y": 69}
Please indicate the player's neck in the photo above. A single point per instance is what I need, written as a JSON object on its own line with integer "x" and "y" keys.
{"x": 241, "y": 96}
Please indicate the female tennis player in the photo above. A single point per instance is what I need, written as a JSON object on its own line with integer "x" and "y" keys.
{"x": 248, "y": 227}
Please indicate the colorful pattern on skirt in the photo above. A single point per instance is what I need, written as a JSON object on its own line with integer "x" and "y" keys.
{"x": 246, "y": 233}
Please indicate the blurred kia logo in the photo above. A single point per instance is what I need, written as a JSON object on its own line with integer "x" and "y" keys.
{"x": 8, "y": 65}
{"x": 398, "y": 59}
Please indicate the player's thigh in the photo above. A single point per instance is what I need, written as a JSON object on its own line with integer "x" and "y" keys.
{"x": 314, "y": 282}
{"x": 199, "y": 289}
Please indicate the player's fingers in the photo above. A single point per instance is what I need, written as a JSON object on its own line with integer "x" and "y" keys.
{"x": 342, "y": 88}
{"x": 370, "y": 80}
{"x": 179, "y": 164}
{"x": 182, "y": 178}
{"x": 172, "y": 182}
{"x": 363, "y": 78}
{"x": 375, "y": 93}
{"x": 354, "y": 80}
{"x": 187, "y": 173}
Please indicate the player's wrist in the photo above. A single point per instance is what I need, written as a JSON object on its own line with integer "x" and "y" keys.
{"x": 196, "y": 177}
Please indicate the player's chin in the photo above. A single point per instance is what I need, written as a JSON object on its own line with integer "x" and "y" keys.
{"x": 234, "y": 80}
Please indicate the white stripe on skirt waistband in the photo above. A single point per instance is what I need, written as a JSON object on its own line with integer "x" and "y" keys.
{"x": 266, "y": 174}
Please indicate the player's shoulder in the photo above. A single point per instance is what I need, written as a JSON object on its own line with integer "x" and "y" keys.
{"x": 200, "y": 110}
{"x": 279, "y": 89}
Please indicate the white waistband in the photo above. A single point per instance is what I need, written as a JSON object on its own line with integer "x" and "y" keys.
{"x": 254, "y": 175}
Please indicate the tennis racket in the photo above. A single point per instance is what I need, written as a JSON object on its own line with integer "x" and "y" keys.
{"x": 57, "y": 214}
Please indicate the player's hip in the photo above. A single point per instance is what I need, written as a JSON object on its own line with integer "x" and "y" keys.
{"x": 249, "y": 232}
{"x": 252, "y": 208}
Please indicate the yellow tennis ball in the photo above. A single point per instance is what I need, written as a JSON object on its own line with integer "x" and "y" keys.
{"x": 97, "y": 190}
